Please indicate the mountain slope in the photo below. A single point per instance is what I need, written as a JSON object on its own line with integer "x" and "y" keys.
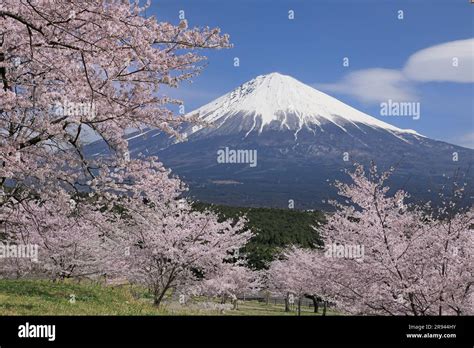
{"x": 302, "y": 138}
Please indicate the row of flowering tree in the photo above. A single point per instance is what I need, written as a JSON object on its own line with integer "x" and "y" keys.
{"x": 70, "y": 70}
{"x": 414, "y": 261}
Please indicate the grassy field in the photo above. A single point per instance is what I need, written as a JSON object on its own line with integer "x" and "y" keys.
{"x": 39, "y": 297}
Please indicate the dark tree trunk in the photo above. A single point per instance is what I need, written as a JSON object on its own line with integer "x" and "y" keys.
{"x": 158, "y": 298}
{"x": 325, "y": 307}
{"x": 287, "y": 302}
{"x": 315, "y": 300}
{"x": 158, "y": 295}
{"x": 315, "y": 304}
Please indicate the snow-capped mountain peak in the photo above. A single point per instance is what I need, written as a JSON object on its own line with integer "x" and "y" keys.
{"x": 302, "y": 137}
{"x": 282, "y": 100}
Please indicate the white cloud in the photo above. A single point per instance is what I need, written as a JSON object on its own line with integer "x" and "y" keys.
{"x": 438, "y": 63}
{"x": 373, "y": 85}
{"x": 434, "y": 63}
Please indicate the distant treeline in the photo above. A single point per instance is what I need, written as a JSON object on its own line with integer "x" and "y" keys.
{"x": 274, "y": 229}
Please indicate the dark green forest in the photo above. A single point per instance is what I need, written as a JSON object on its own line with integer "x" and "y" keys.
{"x": 274, "y": 229}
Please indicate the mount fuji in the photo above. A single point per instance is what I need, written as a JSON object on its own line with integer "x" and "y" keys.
{"x": 303, "y": 138}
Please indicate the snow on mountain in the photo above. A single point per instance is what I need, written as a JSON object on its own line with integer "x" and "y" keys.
{"x": 281, "y": 99}
{"x": 304, "y": 139}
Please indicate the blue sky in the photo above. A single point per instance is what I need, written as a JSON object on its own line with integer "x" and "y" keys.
{"x": 413, "y": 55}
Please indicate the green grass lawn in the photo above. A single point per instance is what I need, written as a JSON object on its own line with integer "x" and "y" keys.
{"x": 42, "y": 297}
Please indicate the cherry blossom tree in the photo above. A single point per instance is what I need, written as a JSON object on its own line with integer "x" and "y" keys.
{"x": 232, "y": 280}
{"x": 69, "y": 238}
{"x": 132, "y": 224}
{"x": 70, "y": 70}
{"x": 72, "y": 67}
{"x": 169, "y": 247}
{"x": 299, "y": 272}
{"x": 79, "y": 235}
{"x": 157, "y": 239}
{"x": 417, "y": 261}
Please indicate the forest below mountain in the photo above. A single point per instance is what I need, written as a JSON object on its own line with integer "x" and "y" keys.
{"x": 274, "y": 229}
